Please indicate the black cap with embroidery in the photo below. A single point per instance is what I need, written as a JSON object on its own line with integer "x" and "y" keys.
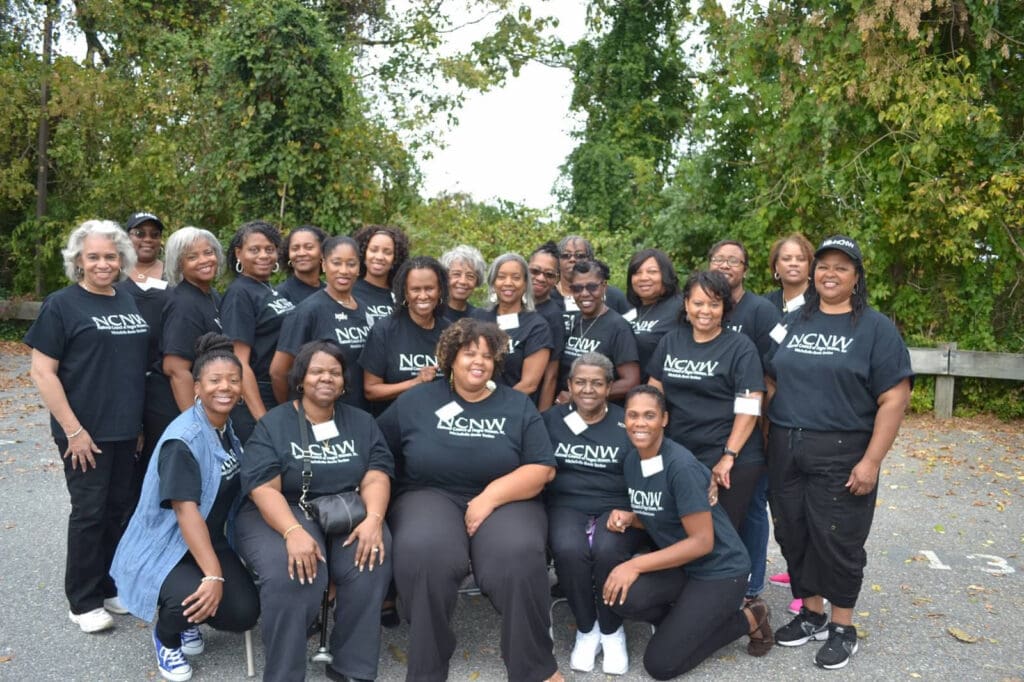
{"x": 840, "y": 243}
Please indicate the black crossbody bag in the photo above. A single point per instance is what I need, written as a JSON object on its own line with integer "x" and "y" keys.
{"x": 337, "y": 514}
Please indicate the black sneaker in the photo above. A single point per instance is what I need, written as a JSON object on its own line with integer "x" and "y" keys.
{"x": 806, "y": 626}
{"x": 841, "y": 645}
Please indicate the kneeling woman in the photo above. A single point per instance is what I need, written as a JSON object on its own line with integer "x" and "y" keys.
{"x": 343, "y": 450}
{"x": 174, "y": 555}
{"x": 471, "y": 472}
{"x": 692, "y": 586}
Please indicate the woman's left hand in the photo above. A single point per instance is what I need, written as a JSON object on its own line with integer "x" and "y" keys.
{"x": 863, "y": 478}
{"x": 618, "y": 583}
{"x": 720, "y": 474}
{"x": 202, "y": 604}
{"x": 370, "y": 547}
{"x": 477, "y": 511}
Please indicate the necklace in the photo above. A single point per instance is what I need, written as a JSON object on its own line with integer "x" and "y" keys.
{"x": 143, "y": 275}
{"x": 351, "y": 303}
{"x": 260, "y": 281}
{"x": 583, "y": 334}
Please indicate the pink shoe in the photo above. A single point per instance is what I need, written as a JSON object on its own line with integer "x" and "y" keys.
{"x": 780, "y": 579}
{"x": 794, "y": 606}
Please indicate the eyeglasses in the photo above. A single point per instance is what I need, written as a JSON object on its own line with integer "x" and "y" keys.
{"x": 591, "y": 287}
{"x": 145, "y": 234}
{"x": 731, "y": 261}
{"x": 549, "y": 275}
{"x": 570, "y": 255}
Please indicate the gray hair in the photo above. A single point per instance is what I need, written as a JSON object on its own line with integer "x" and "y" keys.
{"x": 98, "y": 228}
{"x": 468, "y": 255}
{"x": 592, "y": 359}
{"x": 566, "y": 240}
{"x": 180, "y": 242}
{"x": 492, "y": 275}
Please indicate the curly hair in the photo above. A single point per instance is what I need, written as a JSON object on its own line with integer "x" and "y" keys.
{"x": 243, "y": 231}
{"x": 420, "y": 263}
{"x": 363, "y": 236}
{"x": 669, "y": 278}
{"x": 466, "y": 332}
{"x": 212, "y": 346}
{"x": 714, "y": 284}
{"x": 282, "y": 255}
{"x": 102, "y": 228}
{"x": 583, "y": 267}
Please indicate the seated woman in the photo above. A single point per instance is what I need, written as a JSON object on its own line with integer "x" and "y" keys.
{"x": 345, "y": 451}
{"x": 691, "y": 587}
{"x": 174, "y": 555}
{"x": 470, "y": 473}
{"x": 590, "y": 445}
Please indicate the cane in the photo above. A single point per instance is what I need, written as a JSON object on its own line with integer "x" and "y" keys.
{"x": 323, "y": 655}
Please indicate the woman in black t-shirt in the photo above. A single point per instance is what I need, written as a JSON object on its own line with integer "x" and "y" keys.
{"x": 252, "y": 312}
{"x": 302, "y": 256}
{"x": 842, "y": 380}
{"x": 89, "y": 347}
{"x": 790, "y": 263}
{"x": 590, "y": 445}
{"x": 383, "y": 250}
{"x": 345, "y": 451}
{"x": 544, "y": 275}
{"x": 653, "y": 292}
{"x": 465, "y": 267}
{"x": 691, "y": 586}
{"x": 473, "y": 457}
{"x": 400, "y": 350}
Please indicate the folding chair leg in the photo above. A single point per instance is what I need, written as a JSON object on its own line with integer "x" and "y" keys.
{"x": 250, "y": 658}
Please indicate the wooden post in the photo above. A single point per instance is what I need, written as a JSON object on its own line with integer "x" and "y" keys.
{"x": 944, "y": 384}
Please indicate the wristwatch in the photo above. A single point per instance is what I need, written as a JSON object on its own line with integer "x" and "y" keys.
{"x": 731, "y": 453}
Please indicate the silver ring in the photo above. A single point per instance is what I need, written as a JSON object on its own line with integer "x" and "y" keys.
{"x": 375, "y": 549}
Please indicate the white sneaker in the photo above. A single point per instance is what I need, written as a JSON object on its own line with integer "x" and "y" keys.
{"x": 616, "y": 655}
{"x": 192, "y": 643}
{"x": 96, "y": 620}
{"x": 114, "y": 605}
{"x": 585, "y": 650}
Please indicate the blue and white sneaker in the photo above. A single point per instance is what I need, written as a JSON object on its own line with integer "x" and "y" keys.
{"x": 173, "y": 665}
{"x": 192, "y": 643}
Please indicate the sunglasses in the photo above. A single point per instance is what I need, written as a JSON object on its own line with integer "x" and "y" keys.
{"x": 549, "y": 275}
{"x": 569, "y": 255}
{"x": 591, "y": 287}
{"x": 145, "y": 234}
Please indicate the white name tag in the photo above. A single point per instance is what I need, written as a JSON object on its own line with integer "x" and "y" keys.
{"x": 324, "y": 431}
{"x": 794, "y": 303}
{"x": 510, "y": 321}
{"x": 570, "y": 304}
{"x": 745, "y": 405}
{"x": 649, "y": 467}
{"x": 449, "y": 411}
{"x": 778, "y": 333}
{"x": 151, "y": 283}
{"x": 630, "y": 316}
{"x": 575, "y": 423}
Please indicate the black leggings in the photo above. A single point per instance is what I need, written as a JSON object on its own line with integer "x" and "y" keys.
{"x": 695, "y": 618}
{"x": 238, "y": 610}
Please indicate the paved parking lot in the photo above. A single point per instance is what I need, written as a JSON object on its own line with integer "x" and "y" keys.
{"x": 943, "y": 596}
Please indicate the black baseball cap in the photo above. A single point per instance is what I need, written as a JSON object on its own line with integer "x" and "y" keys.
{"x": 136, "y": 219}
{"x": 840, "y": 243}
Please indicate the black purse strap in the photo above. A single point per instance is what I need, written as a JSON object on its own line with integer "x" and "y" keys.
{"x": 307, "y": 469}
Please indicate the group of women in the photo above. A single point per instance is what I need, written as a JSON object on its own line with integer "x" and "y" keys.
{"x": 622, "y": 433}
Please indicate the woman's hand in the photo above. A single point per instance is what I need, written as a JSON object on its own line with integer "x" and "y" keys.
{"x": 562, "y": 398}
{"x": 82, "y": 451}
{"x": 619, "y": 520}
{"x": 303, "y": 555}
{"x": 370, "y": 547}
{"x": 720, "y": 474}
{"x": 202, "y": 604}
{"x": 427, "y": 374}
{"x": 477, "y": 511}
{"x": 863, "y": 478}
{"x": 616, "y": 587}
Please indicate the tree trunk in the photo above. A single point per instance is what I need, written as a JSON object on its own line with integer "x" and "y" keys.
{"x": 42, "y": 170}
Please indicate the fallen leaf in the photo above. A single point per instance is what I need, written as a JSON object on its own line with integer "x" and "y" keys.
{"x": 6, "y": 659}
{"x": 939, "y": 528}
{"x": 961, "y": 636}
{"x": 398, "y": 654}
{"x": 920, "y": 601}
{"x": 474, "y": 675}
{"x": 863, "y": 614}
{"x": 876, "y": 588}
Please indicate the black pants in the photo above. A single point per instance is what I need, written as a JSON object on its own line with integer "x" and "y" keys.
{"x": 432, "y": 556}
{"x": 578, "y": 562}
{"x": 695, "y": 618}
{"x": 160, "y": 410}
{"x": 289, "y": 607}
{"x": 820, "y": 527}
{"x": 238, "y": 610}
{"x": 99, "y": 501}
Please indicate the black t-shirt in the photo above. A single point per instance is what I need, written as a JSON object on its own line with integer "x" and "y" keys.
{"x": 701, "y": 382}
{"x": 397, "y": 348}
{"x": 589, "y": 477}
{"x": 181, "y": 480}
{"x": 379, "y": 302}
{"x": 252, "y": 312}
{"x": 297, "y": 291}
{"x": 189, "y": 314}
{"x": 463, "y": 454}
{"x": 608, "y": 334}
{"x": 530, "y": 335}
{"x": 829, "y": 372}
{"x": 678, "y": 490}
{"x": 775, "y": 298}
{"x": 755, "y": 317}
{"x": 453, "y": 315}
{"x": 100, "y": 343}
{"x": 338, "y": 463}
{"x": 650, "y": 323}
{"x": 150, "y": 303}
{"x": 550, "y": 311}
{"x": 321, "y": 318}
{"x": 614, "y": 298}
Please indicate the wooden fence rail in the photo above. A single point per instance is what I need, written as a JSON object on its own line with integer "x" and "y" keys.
{"x": 945, "y": 362}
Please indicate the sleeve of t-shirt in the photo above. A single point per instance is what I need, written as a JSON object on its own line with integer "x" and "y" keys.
{"x": 748, "y": 374}
{"x": 374, "y": 358}
{"x": 47, "y": 334}
{"x": 538, "y": 338}
{"x": 537, "y": 448}
{"x": 180, "y": 478}
{"x": 294, "y": 329}
{"x": 766, "y": 319}
{"x": 656, "y": 365}
{"x": 260, "y": 461}
{"x": 390, "y": 429}
{"x": 380, "y": 457}
{"x": 182, "y": 325}
{"x": 238, "y": 316}
{"x": 890, "y": 359}
{"x": 624, "y": 345}
{"x": 689, "y": 489}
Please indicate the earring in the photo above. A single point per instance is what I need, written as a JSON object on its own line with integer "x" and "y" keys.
{"x": 277, "y": 267}
{"x": 299, "y": 389}
{"x": 777, "y": 278}
{"x": 238, "y": 267}
{"x": 79, "y": 272}
{"x": 492, "y": 297}
{"x": 290, "y": 263}
{"x": 196, "y": 399}
{"x": 524, "y": 298}
{"x": 241, "y": 400}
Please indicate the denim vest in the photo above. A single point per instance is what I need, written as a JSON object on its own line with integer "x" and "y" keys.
{"x": 153, "y": 544}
